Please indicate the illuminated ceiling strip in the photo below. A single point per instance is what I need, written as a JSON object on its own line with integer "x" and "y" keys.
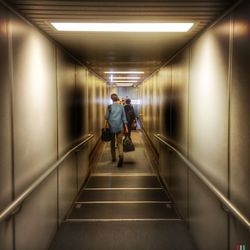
{"x": 126, "y": 81}
{"x": 124, "y": 85}
{"x": 124, "y": 72}
{"x": 123, "y": 27}
{"x": 125, "y": 77}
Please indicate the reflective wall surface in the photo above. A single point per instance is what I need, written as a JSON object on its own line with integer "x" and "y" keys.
{"x": 47, "y": 99}
{"x": 204, "y": 104}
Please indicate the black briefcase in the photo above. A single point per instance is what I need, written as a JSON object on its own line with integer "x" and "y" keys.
{"x": 106, "y": 134}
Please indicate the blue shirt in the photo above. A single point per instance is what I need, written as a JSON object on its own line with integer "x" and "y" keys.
{"x": 116, "y": 117}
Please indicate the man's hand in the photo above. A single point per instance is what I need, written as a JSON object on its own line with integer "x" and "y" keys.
{"x": 126, "y": 128}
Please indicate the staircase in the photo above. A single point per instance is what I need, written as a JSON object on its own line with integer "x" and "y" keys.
{"x": 123, "y": 209}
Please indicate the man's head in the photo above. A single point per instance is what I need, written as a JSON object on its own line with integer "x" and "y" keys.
{"x": 128, "y": 101}
{"x": 114, "y": 97}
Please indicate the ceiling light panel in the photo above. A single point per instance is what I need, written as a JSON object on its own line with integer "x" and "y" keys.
{"x": 125, "y": 81}
{"x": 124, "y": 72}
{"x": 123, "y": 27}
{"x": 125, "y": 77}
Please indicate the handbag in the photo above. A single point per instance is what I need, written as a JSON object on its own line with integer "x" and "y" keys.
{"x": 128, "y": 145}
{"x": 106, "y": 134}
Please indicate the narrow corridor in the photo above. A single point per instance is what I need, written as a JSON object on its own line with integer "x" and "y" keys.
{"x": 123, "y": 208}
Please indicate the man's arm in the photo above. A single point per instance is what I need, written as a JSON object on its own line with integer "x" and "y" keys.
{"x": 124, "y": 119}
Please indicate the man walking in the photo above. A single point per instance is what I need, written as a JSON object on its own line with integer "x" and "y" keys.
{"x": 115, "y": 118}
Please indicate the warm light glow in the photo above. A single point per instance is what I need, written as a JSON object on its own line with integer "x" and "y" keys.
{"x": 136, "y": 102}
{"x": 125, "y": 81}
{"x": 124, "y": 77}
{"x": 124, "y": 72}
{"x": 124, "y": 84}
{"x": 123, "y": 27}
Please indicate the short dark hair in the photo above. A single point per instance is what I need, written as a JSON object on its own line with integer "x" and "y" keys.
{"x": 114, "y": 97}
{"x": 128, "y": 101}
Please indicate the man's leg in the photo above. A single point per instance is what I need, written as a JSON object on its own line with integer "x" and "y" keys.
{"x": 112, "y": 147}
{"x": 120, "y": 148}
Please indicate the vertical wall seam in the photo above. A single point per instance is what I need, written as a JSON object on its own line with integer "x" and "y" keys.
{"x": 188, "y": 135}
{"x": 75, "y": 120}
{"x": 11, "y": 74}
{"x": 57, "y": 133}
{"x": 230, "y": 72}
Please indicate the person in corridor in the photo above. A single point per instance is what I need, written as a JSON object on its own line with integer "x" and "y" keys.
{"x": 130, "y": 114}
{"x": 115, "y": 118}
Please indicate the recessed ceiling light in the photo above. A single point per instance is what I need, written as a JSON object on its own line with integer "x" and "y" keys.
{"x": 123, "y": 27}
{"x": 124, "y": 84}
{"x": 124, "y": 77}
{"x": 125, "y": 81}
{"x": 124, "y": 72}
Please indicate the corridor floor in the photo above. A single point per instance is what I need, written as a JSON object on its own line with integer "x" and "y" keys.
{"x": 123, "y": 208}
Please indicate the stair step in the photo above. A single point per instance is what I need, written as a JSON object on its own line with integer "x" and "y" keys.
{"x": 123, "y": 182}
{"x": 132, "y": 235}
{"x": 93, "y": 211}
{"x": 124, "y": 195}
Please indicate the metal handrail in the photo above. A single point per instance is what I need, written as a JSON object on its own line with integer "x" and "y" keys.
{"x": 15, "y": 205}
{"x": 231, "y": 208}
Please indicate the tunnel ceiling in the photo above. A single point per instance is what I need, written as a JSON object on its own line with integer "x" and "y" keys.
{"x": 104, "y": 51}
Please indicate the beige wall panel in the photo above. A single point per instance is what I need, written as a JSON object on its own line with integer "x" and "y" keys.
{"x": 67, "y": 185}
{"x": 81, "y": 99}
{"x": 5, "y": 115}
{"x": 82, "y": 165}
{"x": 82, "y": 123}
{"x": 179, "y": 129}
{"x": 6, "y": 235}
{"x": 166, "y": 86}
{"x": 67, "y": 133}
{"x": 165, "y": 164}
{"x": 209, "y": 104}
{"x": 208, "y": 222}
{"x": 66, "y": 89}
{"x": 179, "y": 105}
{"x": 6, "y": 229}
{"x": 240, "y": 123}
{"x": 179, "y": 184}
{"x": 5, "y": 132}
{"x": 34, "y": 103}
{"x": 36, "y": 224}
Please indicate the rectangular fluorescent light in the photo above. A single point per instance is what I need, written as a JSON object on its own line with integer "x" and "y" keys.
{"x": 125, "y": 77}
{"x": 124, "y": 72}
{"x": 124, "y": 84}
{"x": 125, "y": 81}
{"x": 123, "y": 27}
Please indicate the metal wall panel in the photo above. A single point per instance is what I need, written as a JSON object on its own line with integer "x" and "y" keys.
{"x": 34, "y": 103}
{"x": 82, "y": 123}
{"x": 208, "y": 121}
{"x": 36, "y": 224}
{"x": 208, "y": 222}
{"x": 166, "y": 88}
{"x": 81, "y": 102}
{"x": 208, "y": 131}
{"x": 67, "y": 133}
{"x": 240, "y": 123}
{"x": 5, "y": 132}
{"x": 35, "y": 138}
{"x": 67, "y": 185}
{"x": 179, "y": 130}
{"x": 66, "y": 89}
